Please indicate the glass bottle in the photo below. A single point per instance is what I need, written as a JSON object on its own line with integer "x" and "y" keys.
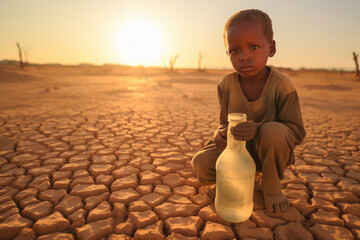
{"x": 235, "y": 176}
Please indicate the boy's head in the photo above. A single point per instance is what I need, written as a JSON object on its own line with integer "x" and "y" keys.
{"x": 249, "y": 15}
{"x": 248, "y": 38}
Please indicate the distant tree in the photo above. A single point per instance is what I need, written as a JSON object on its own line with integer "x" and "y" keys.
{"x": 20, "y": 55}
{"x": 356, "y": 63}
{"x": 172, "y": 62}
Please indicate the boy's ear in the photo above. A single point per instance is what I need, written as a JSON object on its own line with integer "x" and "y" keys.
{"x": 272, "y": 48}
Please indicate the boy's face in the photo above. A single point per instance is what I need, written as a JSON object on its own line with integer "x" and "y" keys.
{"x": 248, "y": 47}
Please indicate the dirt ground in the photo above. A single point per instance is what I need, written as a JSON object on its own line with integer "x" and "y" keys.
{"x": 104, "y": 153}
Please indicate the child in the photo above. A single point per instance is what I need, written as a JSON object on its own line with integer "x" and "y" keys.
{"x": 268, "y": 98}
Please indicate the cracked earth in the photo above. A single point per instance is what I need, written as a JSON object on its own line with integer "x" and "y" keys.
{"x": 107, "y": 156}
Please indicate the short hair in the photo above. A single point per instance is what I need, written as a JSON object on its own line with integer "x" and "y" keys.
{"x": 250, "y": 15}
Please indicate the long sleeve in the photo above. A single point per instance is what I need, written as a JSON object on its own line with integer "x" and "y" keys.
{"x": 289, "y": 113}
{"x": 223, "y": 102}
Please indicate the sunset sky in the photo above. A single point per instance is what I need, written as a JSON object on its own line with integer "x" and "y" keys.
{"x": 311, "y": 34}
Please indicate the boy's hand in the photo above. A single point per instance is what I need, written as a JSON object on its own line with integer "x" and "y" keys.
{"x": 220, "y": 137}
{"x": 244, "y": 131}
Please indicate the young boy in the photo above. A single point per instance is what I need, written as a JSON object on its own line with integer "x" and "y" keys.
{"x": 268, "y": 98}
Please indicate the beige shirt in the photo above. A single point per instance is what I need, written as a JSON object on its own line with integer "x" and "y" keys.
{"x": 278, "y": 102}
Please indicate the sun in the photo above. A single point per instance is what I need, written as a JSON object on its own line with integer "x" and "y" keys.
{"x": 139, "y": 42}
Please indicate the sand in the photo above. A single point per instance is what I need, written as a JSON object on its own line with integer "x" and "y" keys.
{"x": 104, "y": 152}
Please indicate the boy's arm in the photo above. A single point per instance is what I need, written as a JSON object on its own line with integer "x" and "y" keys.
{"x": 220, "y": 132}
{"x": 223, "y": 102}
{"x": 289, "y": 113}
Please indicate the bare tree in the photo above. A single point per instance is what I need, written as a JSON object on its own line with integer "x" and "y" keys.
{"x": 356, "y": 63}
{"x": 172, "y": 61}
{"x": 20, "y": 55}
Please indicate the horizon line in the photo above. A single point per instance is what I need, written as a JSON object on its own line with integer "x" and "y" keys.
{"x": 83, "y": 64}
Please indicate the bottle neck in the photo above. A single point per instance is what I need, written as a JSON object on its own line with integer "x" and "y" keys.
{"x": 231, "y": 141}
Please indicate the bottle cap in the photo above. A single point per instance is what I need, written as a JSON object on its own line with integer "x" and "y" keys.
{"x": 237, "y": 117}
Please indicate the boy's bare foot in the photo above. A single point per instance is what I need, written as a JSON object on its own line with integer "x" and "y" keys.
{"x": 276, "y": 203}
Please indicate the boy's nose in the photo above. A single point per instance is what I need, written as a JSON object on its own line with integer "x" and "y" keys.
{"x": 244, "y": 56}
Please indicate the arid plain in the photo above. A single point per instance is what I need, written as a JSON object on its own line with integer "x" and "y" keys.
{"x": 104, "y": 153}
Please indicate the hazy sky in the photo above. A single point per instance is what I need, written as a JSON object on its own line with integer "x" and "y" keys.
{"x": 308, "y": 33}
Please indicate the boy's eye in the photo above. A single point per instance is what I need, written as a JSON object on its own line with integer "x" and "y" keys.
{"x": 253, "y": 47}
{"x": 234, "y": 51}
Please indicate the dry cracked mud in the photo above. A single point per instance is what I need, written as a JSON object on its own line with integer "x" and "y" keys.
{"x": 108, "y": 157}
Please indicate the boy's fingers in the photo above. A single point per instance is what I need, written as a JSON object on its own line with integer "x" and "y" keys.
{"x": 243, "y": 130}
{"x": 242, "y": 134}
{"x": 245, "y": 127}
{"x": 243, "y": 138}
{"x": 245, "y": 123}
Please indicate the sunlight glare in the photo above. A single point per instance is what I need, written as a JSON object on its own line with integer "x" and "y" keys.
{"x": 139, "y": 43}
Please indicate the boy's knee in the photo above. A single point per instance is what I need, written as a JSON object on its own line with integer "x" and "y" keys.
{"x": 195, "y": 161}
{"x": 203, "y": 163}
{"x": 198, "y": 163}
{"x": 272, "y": 133}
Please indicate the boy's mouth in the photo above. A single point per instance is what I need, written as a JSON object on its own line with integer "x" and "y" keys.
{"x": 246, "y": 68}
